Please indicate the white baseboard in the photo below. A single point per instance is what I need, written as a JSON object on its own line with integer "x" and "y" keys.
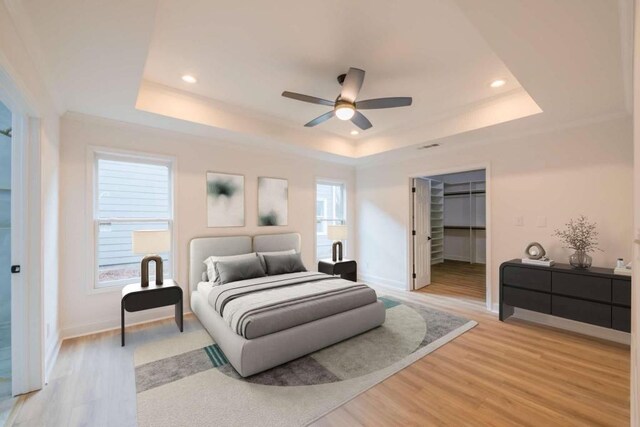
{"x": 573, "y": 326}
{"x": 52, "y": 356}
{"x": 114, "y": 323}
{"x": 381, "y": 281}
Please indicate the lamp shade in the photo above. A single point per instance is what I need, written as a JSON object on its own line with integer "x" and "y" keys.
{"x": 337, "y": 232}
{"x": 151, "y": 241}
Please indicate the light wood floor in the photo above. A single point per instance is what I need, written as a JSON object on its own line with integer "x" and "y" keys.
{"x": 458, "y": 279}
{"x": 503, "y": 374}
{"x": 512, "y": 373}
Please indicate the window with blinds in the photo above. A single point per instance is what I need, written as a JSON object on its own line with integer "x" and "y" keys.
{"x": 331, "y": 209}
{"x": 131, "y": 194}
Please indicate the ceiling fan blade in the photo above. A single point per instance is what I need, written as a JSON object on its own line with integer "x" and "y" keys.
{"x": 352, "y": 84}
{"x": 307, "y": 98}
{"x": 361, "y": 121}
{"x": 318, "y": 120}
{"x": 373, "y": 104}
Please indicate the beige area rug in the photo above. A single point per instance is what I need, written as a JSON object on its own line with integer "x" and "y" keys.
{"x": 187, "y": 381}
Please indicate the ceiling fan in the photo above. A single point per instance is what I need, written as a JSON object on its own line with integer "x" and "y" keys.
{"x": 345, "y": 106}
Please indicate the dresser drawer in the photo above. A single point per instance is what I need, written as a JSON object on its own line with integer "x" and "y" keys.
{"x": 582, "y": 311}
{"x": 621, "y": 292}
{"x": 529, "y": 278}
{"x": 529, "y": 300}
{"x": 582, "y": 286}
{"x": 621, "y": 319}
{"x": 152, "y": 299}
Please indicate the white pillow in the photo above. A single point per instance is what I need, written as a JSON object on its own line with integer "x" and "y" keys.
{"x": 210, "y": 262}
{"x": 261, "y": 256}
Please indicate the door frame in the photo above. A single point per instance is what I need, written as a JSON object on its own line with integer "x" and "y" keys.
{"x": 488, "y": 261}
{"x": 27, "y": 338}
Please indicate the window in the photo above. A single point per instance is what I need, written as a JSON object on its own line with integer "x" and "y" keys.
{"x": 321, "y": 212}
{"x": 331, "y": 208}
{"x": 131, "y": 193}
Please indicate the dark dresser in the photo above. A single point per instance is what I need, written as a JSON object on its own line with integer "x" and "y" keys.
{"x": 595, "y": 296}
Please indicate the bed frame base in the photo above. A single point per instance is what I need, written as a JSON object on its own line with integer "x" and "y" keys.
{"x": 250, "y": 357}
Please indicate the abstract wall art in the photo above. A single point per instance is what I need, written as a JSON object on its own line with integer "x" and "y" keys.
{"x": 225, "y": 200}
{"x": 273, "y": 201}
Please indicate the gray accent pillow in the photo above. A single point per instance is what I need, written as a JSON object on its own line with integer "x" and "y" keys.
{"x": 262, "y": 254}
{"x": 283, "y": 264}
{"x": 241, "y": 269}
{"x": 212, "y": 260}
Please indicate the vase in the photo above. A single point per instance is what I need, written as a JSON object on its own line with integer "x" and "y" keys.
{"x": 580, "y": 259}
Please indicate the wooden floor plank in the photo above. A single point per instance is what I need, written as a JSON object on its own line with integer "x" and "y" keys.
{"x": 497, "y": 374}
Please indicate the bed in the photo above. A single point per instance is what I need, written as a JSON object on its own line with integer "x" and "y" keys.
{"x": 327, "y": 309}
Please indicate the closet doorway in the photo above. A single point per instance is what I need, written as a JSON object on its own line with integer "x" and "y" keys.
{"x": 449, "y": 234}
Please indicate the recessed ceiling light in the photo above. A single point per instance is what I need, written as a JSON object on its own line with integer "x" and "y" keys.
{"x": 354, "y": 132}
{"x": 498, "y": 83}
{"x": 189, "y": 78}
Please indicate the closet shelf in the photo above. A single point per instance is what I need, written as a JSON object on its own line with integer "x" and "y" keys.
{"x": 464, "y": 193}
{"x": 464, "y": 227}
{"x": 437, "y": 220}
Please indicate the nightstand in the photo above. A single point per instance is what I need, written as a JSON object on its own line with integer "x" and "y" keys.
{"x": 137, "y": 298}
{"x": 347, "y": 268}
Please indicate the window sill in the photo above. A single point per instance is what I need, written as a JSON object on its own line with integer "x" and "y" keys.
{"x": 105, "y": 289}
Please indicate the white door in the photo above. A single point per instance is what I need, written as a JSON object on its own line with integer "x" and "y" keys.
{"x": 421, "y": 233}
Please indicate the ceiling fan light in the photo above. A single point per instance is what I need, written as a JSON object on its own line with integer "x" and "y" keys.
{"x": 345, "y": 111}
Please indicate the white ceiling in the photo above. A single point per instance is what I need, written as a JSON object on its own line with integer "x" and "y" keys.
{"x": 247, "y": 53}
{"x": 564, "y": 60}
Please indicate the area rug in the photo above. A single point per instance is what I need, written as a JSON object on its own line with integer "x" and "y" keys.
{"x": 187, "y": 380}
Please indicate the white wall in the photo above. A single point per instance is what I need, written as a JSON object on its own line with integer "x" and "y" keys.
{"x": 29, "y": 92}
{"x": 558, "y": 175}
{"x": 82, "y": 311}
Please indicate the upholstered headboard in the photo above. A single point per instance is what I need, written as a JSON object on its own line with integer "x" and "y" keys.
{"x": 276, "y": 242}
{"x": 202, "y": 248}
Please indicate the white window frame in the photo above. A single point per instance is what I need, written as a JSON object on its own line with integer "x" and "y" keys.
{"x": 93, "y": 222}
{"x": 329, "y": 181}
{"x": 325, "y": 208}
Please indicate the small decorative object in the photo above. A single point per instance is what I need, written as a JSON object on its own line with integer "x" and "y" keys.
{"x": 225, "y": 200}
{"x": 622, "y": 269}
{"x": 535, "y": 251}
{"x": 337, "y": 233}
{"x": 536, "y": 255}
{"x": 580, "y": 235}
{"x": 150, "y": 243}
{"x": 273, "y": 201}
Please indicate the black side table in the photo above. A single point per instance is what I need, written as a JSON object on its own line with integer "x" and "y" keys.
{"x": 137, "y": 298}
{"x": 347, "y": 268}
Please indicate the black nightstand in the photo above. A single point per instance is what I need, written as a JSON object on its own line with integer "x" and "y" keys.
{"x": 137, "y": 298}
{"x": 347, "y": 268}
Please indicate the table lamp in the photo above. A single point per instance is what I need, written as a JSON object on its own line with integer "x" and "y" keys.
{"x": 150, "y": 243}
{"x": 337, "y": 233}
